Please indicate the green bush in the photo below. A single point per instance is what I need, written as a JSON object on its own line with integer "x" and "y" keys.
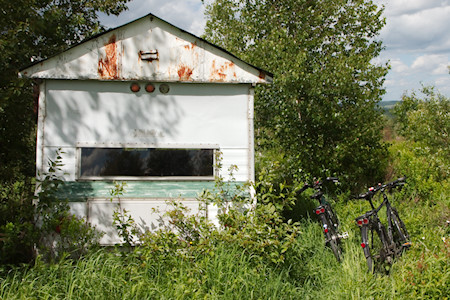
{"x": 425, "y": 120}
{"x": 424, "y": 154}
{"x": 257, "y": 226}
{"x": 17, "y": 230}
{"x": 29, "y": 223}
{"x": 423, "y": 169}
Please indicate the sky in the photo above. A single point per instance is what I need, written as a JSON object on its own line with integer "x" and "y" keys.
{"x": 416, "y": 38}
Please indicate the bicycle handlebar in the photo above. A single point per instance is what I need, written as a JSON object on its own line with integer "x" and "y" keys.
{"x": 373, "y": 190}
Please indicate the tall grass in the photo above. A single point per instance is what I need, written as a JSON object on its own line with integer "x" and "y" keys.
{"x": 229, "y": 272}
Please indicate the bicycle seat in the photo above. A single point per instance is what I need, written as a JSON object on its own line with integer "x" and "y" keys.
{"x": 366, "y": 215}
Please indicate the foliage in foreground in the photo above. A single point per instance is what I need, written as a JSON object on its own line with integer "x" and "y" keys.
{"x": 226, "y": 271}
{"x": 255, "y": 256}
{"x": 41, "y": 224}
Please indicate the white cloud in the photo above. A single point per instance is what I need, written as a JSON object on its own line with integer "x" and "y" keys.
{"x": 187, "y": 14}
{"x": 417, "y": 40}
{"x": 434, "y": 63}
{"x": 403, "y": 7}
{"x": 398, "y": 66}
{"x": 181, "y": 13}
{"x": 443, "y": 84}
{"x": 426, "y": 30}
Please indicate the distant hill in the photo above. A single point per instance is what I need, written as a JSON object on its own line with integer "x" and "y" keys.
{"x": 386, "y": 106}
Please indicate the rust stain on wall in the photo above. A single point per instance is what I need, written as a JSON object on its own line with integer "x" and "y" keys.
{"x": 191, "y": 46}
{"x": 222, "y": 72}
{"x": 262, "y": 75}
{"x": 184, "y": 73}
{"x": 108, "y": 66}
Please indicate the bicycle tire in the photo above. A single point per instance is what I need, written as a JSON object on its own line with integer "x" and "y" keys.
{"x": 334, "y": 240}
{"x": 366, "y": 247}
{"x": 335, "y": 245}
{"x": 332, "y": 217}
{"x": 331, "y": 236}
{"x": 400, "y": 228}
{"x": 388, "y": 250}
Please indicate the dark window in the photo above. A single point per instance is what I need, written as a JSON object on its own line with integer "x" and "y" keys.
{"x": 101, "y": 162}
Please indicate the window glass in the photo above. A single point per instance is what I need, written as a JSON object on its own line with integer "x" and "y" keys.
{"x": 101, "y": 162}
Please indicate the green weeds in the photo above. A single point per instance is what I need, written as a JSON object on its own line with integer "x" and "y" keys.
{"x": 230, "y": 271}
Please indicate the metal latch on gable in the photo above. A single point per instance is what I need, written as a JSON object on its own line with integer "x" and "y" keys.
{"x": 149, "y": 55}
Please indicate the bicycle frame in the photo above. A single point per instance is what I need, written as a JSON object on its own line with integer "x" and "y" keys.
{"x": 328, "y": 219}
{"x": 371, "y": 222}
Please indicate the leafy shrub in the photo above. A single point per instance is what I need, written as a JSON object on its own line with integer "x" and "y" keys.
{"x": 122, "y": 220}
{"x": 17, "y": 231}
{"x": 256, "y": 225}
{"x": 425, "y": 120}
{"x": 422, "y": 168}
{"x": 60, "y": 233}
{"x": 424, "y": 157}
{"x": 44, "y": 222}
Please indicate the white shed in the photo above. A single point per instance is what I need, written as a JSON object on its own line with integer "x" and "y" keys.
{"x": 149, "y": 104}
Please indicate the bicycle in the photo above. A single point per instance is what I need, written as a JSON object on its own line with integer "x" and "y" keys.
{"x": 328, "y": 218}
{"x": 385, "y": 244}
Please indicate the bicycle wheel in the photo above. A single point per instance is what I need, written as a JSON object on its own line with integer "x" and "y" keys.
{"x": 334, "y": 242}
{"x": 366, "y": 247}
{"x": 386, "y": 248}
{"x": 400, "y": 234}
{"x": 331, "y": 236}
{"x": 332, "y": 217}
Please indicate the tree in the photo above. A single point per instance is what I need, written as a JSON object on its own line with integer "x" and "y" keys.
{"x": 321, "y": 110}
{"x": 31, "y": 30}
{"x": 424, "y": 121}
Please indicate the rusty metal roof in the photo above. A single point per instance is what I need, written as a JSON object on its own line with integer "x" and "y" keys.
{"x": 148, "y": 48}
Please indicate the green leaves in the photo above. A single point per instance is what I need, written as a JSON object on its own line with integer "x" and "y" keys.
{"x": 325, "y": 85}
{"x": 425, "y": 120}
{"x": 29, "y": 31}
{"x": 425, "y": 155}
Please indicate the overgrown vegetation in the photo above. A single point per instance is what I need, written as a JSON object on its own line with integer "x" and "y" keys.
{"x": 168, "y": 267}
{"x": 30, "y": 31}
{"x": 320, "y": 112}
{"x": 44, "y": 227}
{"x": 257, "y": 253}
{"x": 424, "y": 154}
{"x": 265, "y": 249}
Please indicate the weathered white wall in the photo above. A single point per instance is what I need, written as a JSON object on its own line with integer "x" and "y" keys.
{"x": 100, "y": 212}
{"x": 108, "y": 114}
{"x": 94, "y": 113}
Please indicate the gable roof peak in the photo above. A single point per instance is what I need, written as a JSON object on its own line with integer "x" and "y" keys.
{"x": 150, "y": 49}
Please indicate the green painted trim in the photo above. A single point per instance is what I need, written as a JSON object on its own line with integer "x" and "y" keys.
{"x": 76, "y": 191}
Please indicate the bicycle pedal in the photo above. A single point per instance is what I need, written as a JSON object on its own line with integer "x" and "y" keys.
{"x": 344, "y": 235}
